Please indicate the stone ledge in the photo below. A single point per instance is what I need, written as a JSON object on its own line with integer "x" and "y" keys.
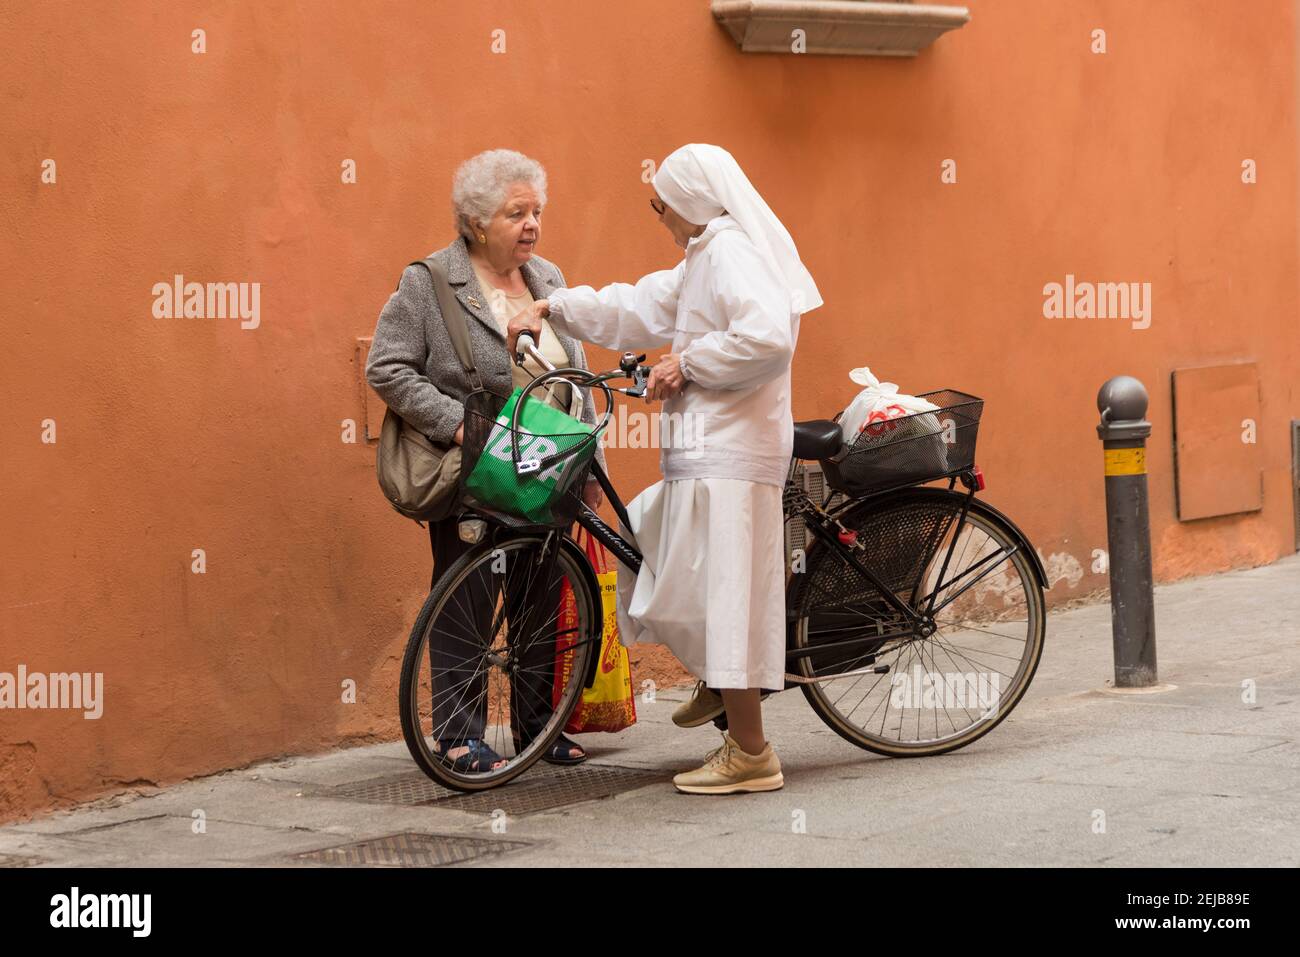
{"x": 846, "y": 27}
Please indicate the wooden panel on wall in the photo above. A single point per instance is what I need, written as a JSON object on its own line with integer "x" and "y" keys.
{"x": 1216, "y": 425}
{"x": 374, "y": 406}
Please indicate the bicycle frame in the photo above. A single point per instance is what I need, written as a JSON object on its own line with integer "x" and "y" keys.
{"x": 915, "y": 622}
{"x": 625, "y": 551}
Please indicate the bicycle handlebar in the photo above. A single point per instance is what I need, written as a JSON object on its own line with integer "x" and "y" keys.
{"x": 629, "y": 366}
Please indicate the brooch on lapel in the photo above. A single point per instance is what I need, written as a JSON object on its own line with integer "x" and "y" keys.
{"x": 474, "y": 302}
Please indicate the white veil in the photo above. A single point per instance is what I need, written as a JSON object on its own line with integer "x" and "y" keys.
{"x": 700, "y": 182}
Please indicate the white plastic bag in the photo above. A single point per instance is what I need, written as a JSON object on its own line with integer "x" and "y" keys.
{"x": 889, "y": 437}
{"x": 876, "y": 404}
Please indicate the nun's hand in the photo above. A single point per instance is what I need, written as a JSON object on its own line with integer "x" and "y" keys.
{"x": 526, "y": 320}
{"x": 666, "y": 379}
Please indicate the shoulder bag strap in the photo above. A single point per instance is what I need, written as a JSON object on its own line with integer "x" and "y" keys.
{"x": 453, "y": 316}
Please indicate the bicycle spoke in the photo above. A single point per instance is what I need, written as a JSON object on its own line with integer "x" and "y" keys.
{"x": 967, "y": 626}
{"x": 971, "y": 663}
{"x": 442, "y": 696}
{"x": 466, "y": 614}
{"x": 934, "y": 669}
{"x": 454, "y": 711}
{"x": 535, "y": 636}
{"x": 885, "y": 700}
{"x": 952, "y": 581}
{"x": 477, "y": 645}
{"x": 953, "y": 597}
{"x": 982, "y": 651}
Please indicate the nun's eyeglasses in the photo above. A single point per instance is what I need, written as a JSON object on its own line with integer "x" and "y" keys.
{"x": 659, "y": 210}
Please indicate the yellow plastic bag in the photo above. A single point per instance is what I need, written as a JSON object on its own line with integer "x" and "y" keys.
{"x": 608, "y": 705}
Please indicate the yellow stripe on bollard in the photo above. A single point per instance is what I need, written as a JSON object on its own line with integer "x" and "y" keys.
{"x": 1126, "y": 461}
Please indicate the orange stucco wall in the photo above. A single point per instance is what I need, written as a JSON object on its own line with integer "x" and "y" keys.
{"x": 179, "y": 434}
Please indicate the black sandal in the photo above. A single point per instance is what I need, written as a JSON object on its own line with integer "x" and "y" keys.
{"x": 480, "y": 757}
{"x": 558, "y": 753}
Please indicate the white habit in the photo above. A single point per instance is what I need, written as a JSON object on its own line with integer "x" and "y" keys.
{"x": 712, "y": 586}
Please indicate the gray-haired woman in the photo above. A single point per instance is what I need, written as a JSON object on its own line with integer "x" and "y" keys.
{"x": 494, "y": 272}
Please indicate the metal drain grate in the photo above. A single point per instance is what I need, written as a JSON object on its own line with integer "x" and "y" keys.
{"x": 18, "y": 860}
{"x": 410, "y": 850}
{"x": 528, "y": 795}
{"x": 538, "y": 789}
{"x": 409, "y": 787}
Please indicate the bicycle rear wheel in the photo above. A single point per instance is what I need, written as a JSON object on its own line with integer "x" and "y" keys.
{"x": 899, "y": 690}
{"x": 495, "y": 657}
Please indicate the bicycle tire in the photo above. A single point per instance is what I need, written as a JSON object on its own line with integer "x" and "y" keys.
{"x": 574, "y": 565}
{"x": 803, "y": 588}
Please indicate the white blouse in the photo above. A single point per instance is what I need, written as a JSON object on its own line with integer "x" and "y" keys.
{"x": 729, "y": 316}
{"x": 504, "y": 306}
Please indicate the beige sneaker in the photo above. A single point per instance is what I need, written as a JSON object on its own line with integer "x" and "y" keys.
{"x": 728, "y": 770}
{"x": 705, "y": 705}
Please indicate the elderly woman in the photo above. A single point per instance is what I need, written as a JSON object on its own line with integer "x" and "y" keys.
{"x": 494, "y": 271}
{"x": 712, "y": 585}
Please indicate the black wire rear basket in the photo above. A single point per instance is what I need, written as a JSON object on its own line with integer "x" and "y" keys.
{"x": 491, "y": 443}
{"x": 910, "y": 449}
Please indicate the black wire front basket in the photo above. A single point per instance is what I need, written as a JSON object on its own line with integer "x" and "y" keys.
{"x": 490, "y": 483}
{"x": 910, "y": 449}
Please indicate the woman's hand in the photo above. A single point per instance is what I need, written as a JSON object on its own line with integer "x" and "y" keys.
{"x": 459, "y": 437}
{"x": 592, "y": 493}
{"x": 666, "y": 379}
{"x": 527, "y": 320}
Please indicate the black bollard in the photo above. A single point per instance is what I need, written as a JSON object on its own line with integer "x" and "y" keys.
{"x": 1122, "y": 402}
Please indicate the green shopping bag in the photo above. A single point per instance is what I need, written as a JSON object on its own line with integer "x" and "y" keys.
{"x": 555, "y": 448}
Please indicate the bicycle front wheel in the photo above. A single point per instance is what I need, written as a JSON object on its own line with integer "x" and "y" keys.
{"x": 908, "y": 690}
{"x": 499, "y": 656}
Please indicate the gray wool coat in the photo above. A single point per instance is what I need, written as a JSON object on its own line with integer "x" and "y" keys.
{"x": 413, "y": 365}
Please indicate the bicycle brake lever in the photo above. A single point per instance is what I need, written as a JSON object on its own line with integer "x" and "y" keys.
{"x": 522, "y": 342}
{"x": 639, "y": 381}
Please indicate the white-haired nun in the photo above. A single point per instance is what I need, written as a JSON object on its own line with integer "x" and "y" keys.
{"x": 712, "y": 586}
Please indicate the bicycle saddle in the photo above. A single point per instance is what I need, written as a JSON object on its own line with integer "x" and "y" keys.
{"x": 816, "y": 439}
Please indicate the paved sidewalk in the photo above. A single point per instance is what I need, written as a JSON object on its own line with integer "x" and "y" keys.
{"x": 1191, "y": 776}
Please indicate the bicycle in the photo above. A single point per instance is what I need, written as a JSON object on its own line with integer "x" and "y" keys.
{"x": 897, "y": 572}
